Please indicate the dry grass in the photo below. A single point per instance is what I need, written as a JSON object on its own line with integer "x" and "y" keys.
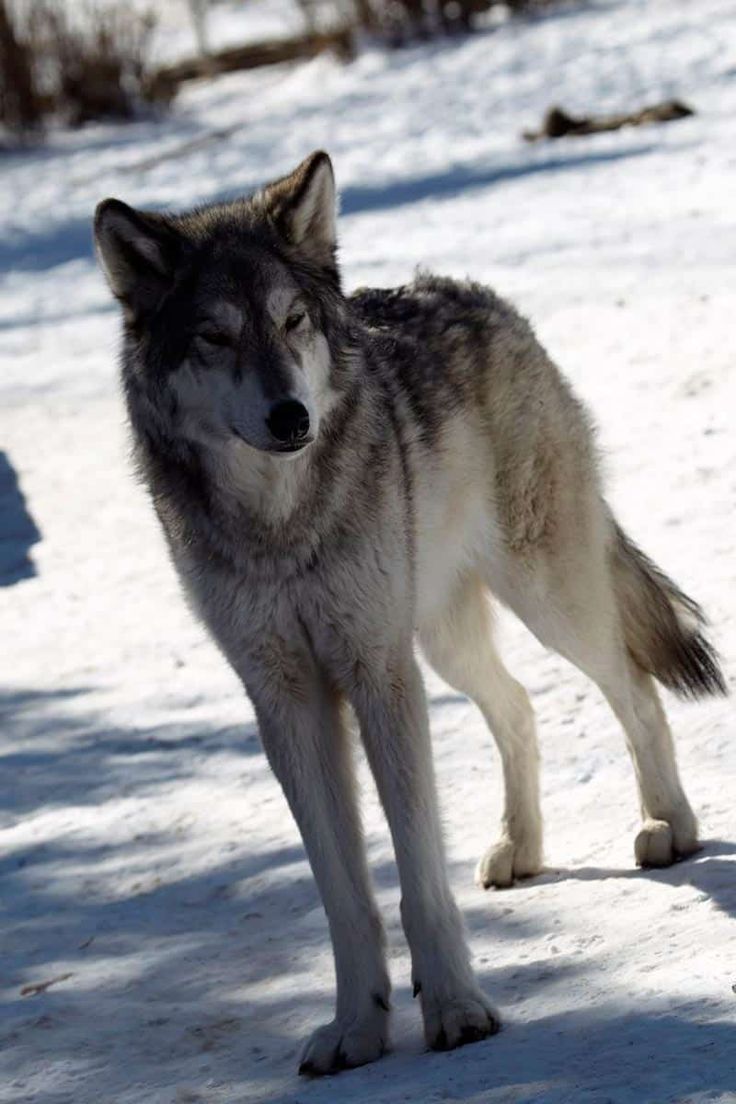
{"x": 20, "y": 108}
{"x": 77, "y": 66}
{"x": 402, "y": 21}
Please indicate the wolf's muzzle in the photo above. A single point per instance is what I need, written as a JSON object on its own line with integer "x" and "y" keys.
{"x": 288, "y": 422}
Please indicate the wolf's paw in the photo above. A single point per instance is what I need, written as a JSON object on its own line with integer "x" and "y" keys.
{"x": 343, "y": 1045}
{"x": 451, "y": 1022}
{"x": 663, "y": 842}
{"x": 503, "y": 863}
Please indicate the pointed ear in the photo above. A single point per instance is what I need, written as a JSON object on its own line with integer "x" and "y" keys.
{"x": 138, "y": 253}
{"x": 303, "y": 208}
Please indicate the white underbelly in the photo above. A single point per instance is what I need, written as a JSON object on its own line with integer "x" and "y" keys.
{"x": 456, "y": 532}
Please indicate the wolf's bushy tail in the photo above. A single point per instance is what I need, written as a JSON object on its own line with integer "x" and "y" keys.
{"x": 662, "y": 626}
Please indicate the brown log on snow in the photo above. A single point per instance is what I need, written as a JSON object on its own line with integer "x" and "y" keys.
{"x": 164, "y": 82}
{"x": 557, "y": 123}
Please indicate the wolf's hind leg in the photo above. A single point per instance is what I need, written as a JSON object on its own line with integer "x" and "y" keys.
{"x": 575, "y": 612}
{"x": 670, "y": 830}
{"x": 459, "y": 645}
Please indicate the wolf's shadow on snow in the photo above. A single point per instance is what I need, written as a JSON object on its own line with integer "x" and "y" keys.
{"x": 705, "y": 871}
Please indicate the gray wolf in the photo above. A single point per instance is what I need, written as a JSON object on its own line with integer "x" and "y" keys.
{"x": 337, "y": 476}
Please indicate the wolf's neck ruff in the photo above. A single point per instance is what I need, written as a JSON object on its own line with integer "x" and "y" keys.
{"x": 250, "y": 508}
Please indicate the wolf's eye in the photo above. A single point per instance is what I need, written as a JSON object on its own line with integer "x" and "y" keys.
{"x": 212, "y": 337}
{"x": 294, "y": 320}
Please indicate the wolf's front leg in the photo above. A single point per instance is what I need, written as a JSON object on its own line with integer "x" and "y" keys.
{"x": 395, "y": 732}
{"x": 308, "y": 748}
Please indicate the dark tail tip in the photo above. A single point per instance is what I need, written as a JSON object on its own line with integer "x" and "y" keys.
{"x": 663, "y": 627}
{"x": 692, "y": 670}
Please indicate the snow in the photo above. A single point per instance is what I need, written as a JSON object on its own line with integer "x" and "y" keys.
{"x": 146, "y": 851}
{"x": 228, "y": 23}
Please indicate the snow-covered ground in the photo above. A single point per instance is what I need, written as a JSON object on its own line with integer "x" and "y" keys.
{"x": 147, "y": 859}
{"x": 228, "y": 23}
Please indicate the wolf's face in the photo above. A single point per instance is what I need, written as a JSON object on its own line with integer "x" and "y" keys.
{"x": 228, "y": 312}
{"x": 256, "y": 363}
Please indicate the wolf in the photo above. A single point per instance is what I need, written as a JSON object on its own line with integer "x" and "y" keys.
{"x": 338, "y": 476}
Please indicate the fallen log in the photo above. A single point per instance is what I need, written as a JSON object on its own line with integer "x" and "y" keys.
{"x": 162, "y": 84}
{"x": 558, "y": 124}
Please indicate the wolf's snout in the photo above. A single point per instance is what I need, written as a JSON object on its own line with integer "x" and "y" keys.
{"x": 288, "y": 421}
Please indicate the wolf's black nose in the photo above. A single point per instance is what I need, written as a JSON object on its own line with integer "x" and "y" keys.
{"x": 288, "y": 421}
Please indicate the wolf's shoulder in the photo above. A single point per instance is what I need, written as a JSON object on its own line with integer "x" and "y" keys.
{"x": 433, "y": 342}
{"x": 433, "y": 304}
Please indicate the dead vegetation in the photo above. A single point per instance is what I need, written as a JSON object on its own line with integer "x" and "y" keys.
{"x": 333, "y": 27}
{"x": 41, "y": 986}
{"x": 163, "y": 83}
{"x": 75, "y": 63}
{"x": 400, "y": 22}
{"x": 71, "y": 64}
{"x": 20, "y": 109}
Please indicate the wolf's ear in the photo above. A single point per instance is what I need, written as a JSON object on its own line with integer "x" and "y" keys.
{"x": 303, "y": 208}
{"x": 138, "y": 253}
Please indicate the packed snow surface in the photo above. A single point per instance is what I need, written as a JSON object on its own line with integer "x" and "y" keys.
{"x": 150, "y": 869}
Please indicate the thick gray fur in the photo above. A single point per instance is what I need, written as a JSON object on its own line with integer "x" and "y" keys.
{"x": 446, "y": 463}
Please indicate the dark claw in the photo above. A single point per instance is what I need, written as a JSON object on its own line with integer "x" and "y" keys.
{"x": 306, "y": 1069}
{"x": 440, "y": 1042}
{"x": 417, "y": 988}
{"x": 471, "y": 1034}
{"x": 381, "y": 1001}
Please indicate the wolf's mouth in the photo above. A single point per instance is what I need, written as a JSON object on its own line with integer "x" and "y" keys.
{"x": 288, "y": 448}
{"x": 296, "y": 446}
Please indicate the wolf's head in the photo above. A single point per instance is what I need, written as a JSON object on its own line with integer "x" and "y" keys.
{"x": 232, "y": 313}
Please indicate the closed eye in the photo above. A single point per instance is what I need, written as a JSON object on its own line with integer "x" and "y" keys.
{"x": 213, "y": 337}
{"x": 294, "y": 320}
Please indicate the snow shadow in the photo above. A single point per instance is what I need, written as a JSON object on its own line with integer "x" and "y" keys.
{"x": 56, "y": 244}
{"x": 215, "y": 965}
{"x": 219, "y": 975}
{"x": 358, "y": 199}
{"x": 712, "y": 871}
{"x": 18, "y": 531}
{"x": 61, "y": 242}
{"x": 609, "y": 1057}
{"x": 51, "y": 755}
{"x": 92, "y": 139}
{"x": 211, "y": 971}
